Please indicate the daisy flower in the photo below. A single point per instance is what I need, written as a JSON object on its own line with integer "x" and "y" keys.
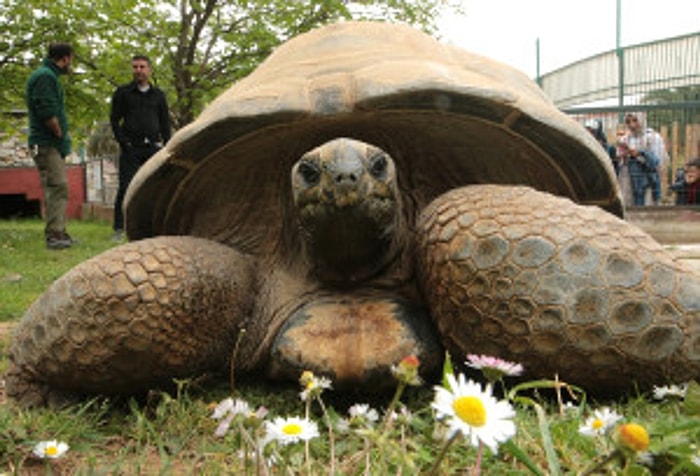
{"x": 230, "y": 406}
{"x": 494, "y": 368}
{"x": 474, "y": 412}
{"x": 601, "y": 420}
{"x": 290, "y": 430}
{"x": 50, "y": 449}
{"x": 670, "y": 392}
{"x": 363, "y": 413}
{"x": 228, "y": 409}
{"x": 313, "y": 385}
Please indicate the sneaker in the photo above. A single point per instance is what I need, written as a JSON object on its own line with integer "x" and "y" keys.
{"x": 66, "y": 236}
{"x": 118, "y": 235}
{"x": 56, "y": 241}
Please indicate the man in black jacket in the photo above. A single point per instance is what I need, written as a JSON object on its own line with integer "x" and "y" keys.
{"x": 141, "y": 125}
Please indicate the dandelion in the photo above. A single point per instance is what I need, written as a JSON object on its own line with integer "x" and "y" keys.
{"x": 313, "y": 386}
{"x": 632, "y": 436}
{"x": 670, "y": 392}
{"x": 50, "y": 449}
{"x": 601, "y": 420}
{"x": 493, "y": 368}
{"x": 474, "y": 412}
{"x": 291, "y": 430}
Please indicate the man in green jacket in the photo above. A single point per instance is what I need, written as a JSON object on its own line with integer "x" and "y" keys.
{"x": 49, "y": 140}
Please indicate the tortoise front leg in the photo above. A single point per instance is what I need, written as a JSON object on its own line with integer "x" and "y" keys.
{"x": 559, "y": 287}
{"x": 131, "y": 319}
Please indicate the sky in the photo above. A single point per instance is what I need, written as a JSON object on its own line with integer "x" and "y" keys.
{"x": 568, "y": 30}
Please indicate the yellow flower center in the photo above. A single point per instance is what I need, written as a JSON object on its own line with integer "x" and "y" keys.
{"x": 471, "y": 410}
{"x": 597, "y": 424}
{"x": 292, "y": 429}
{"x": 51, "y": 451}
{"x": 634, "y": 436}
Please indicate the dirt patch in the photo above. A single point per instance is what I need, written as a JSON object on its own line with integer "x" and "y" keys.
{"x": 5, "y": 331}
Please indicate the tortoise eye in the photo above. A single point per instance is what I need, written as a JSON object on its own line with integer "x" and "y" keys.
{"x": 310, "y": 173}
{"x": 377, "y": 166}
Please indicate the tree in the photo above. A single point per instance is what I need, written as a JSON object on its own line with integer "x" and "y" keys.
{"x": 197, "y": 47}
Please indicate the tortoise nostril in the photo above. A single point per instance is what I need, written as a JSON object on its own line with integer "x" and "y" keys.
{"x": 345, "y": 178}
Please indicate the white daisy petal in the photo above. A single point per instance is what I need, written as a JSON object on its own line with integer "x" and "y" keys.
{"x": 222, "y": 408}
{"x": 599, "y": 423}
{"x": 290, "y": 430}
{"x": 50, "y": 449}
{"x": 474, "y": 412}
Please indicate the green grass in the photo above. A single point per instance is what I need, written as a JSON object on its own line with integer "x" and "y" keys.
{"x": 27, "y": 267}
{"x": 174, "y": 434}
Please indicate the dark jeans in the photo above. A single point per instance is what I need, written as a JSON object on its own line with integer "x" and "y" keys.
{"x": 640, "y": 181}
{"x": 130, "y": 160}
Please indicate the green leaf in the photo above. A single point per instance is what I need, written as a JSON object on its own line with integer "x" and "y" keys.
{"x": 447, "y": 369}
{"x": 552, "y": 460}
{"x": 520, "y": 455}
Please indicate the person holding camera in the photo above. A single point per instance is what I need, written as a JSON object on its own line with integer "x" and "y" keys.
{"x": 141, "y": 125}
{"x": 644, "y": 151}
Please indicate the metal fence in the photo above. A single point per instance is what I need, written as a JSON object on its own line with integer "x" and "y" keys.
{"x": 660, "y": 80}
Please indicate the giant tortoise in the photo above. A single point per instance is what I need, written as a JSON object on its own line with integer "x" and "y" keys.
{"x": 365, "y": 194}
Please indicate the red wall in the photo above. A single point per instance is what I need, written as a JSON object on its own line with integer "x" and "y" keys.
{"x": 25, "y": 181}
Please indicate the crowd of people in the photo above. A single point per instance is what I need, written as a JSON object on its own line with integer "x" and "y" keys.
{"x": 639, "y": 158}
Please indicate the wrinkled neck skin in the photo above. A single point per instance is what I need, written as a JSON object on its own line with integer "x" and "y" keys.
{"x": 348, "y": 246}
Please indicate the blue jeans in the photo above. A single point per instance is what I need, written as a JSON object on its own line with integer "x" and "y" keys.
{"x": 640, "y": 181}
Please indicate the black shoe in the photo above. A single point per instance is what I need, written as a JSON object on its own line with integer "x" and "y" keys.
{"x": 57, "y": 241}
{"x": 65, "y": 236}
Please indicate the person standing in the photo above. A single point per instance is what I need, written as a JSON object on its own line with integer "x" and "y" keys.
{"x": 49, "y": 140}
{"x": 141, "y": 125}
{"x": 688, "y": 187}
{"x": 645, "y": 151}
{"x": 595, "y": 127}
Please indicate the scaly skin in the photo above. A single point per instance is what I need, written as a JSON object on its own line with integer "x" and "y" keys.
{"x": 131, "y": 319}
{"x": 559, "y": 287}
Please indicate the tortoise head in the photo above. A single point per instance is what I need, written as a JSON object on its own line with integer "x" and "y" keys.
{"x": 348, "y": 209}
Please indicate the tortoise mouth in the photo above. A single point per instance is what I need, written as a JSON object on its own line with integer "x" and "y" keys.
{"x": 349, "y": 243}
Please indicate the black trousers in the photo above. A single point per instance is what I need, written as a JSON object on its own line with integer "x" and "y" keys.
{"x": 130, "y": 160}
